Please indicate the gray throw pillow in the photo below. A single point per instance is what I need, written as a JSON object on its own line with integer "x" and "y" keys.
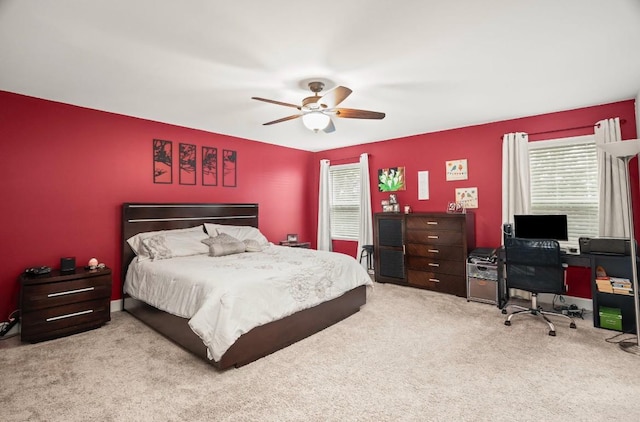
{"x": 227, "y": 248}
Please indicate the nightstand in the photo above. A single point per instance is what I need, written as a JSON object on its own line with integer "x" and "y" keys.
{"x": 59, "y": 304}
{"x": 295, "y": 244}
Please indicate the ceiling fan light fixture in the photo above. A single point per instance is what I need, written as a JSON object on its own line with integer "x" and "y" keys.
{"x": 315, "y": 120}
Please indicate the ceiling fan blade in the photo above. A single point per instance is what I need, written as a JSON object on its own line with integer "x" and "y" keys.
{"x": 334, "y": 97}
{"x": 284, "y": 119}
{"x": 276, "y": 102}
{"x": 330, "y": 127}
{"x": 352, "y": 113}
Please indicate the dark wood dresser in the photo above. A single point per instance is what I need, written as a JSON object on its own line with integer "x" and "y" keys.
{"x": 425, "y": 250}
{"x": 59, "y": 304}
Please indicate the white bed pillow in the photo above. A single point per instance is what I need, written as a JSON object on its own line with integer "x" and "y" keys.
{"x": 223, "y": 244}
{"x": 180, "y": 240}
{"x": 252, "y": 245}
{"x": 239, "y": 232}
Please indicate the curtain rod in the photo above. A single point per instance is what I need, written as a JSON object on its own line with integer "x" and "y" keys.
{"x": 346, "y": 158}
{"x": 622, "y": 121}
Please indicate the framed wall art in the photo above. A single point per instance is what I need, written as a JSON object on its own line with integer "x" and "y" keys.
{"x": 229, "y": 168}
{"x": 187, "y": 167}
{"x": 468, "y": 197}
{"x": 391, "y": 179}
{"x": 162, "y": 159}
{"x": 457, "y": 170}
{"x": 209, "y": 166}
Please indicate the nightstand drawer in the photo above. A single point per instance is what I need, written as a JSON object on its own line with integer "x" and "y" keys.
{"x": 39, "y": 296}
{"x": 54, "y": 322}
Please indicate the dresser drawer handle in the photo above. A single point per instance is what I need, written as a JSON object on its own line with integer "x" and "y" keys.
{"x": 433, "y": 250}
{"x": 433, "y": 223}
{"x": 70, "y": 292}
{"x": 432, "y": 236}
{"x": 433, "y": 264}
{"x": 435, "y": 280}
{"x": 55, "y": 318}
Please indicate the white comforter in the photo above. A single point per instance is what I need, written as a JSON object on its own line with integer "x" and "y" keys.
{"x": 225, "y": 297}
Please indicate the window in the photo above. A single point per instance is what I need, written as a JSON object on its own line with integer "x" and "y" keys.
{"x": 345, "y": 201}
{"x": 564, "y": 180}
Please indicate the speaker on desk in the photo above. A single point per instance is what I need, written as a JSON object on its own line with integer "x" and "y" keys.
{"x": 507, "y": 231}
{"x": 68, "y": 264}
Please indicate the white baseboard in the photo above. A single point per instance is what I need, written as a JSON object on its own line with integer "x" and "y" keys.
{"x": 14, "y": 330}
{"x": 116, "y": 305}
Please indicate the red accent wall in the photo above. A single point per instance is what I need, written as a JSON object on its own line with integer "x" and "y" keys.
{"x": 66, "y": 170}
{"x": 481, "y": 145}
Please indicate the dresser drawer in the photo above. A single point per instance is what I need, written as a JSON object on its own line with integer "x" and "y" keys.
{"x": 445, "y": 283}
{"x": 434, "y": 237}
{"x": 453, "y": 253}
{"x": 434, "y": 223}
{"x": 61, "y": 320}
{"x": 39, "y": 296}
{"x": 436, "y": 265}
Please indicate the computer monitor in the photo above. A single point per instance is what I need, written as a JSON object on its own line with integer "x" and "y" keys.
{"x": 547, "y": 226}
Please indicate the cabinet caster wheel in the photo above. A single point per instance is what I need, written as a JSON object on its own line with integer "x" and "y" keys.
{"x": 508, "y": 323}
{"x": 572, "y": 325}
{"x": 552, "y": 333}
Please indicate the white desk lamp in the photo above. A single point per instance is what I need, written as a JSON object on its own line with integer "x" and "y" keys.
{"x": 625, "y": 151}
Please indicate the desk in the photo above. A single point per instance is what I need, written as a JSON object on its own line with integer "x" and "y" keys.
{"x": 571, "y": 259}
{"x": 614, "y": 265}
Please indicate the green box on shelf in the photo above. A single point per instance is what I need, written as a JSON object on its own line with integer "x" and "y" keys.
{"x": 610, "y": 318}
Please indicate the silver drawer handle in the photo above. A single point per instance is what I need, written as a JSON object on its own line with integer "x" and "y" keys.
{"x": 433, "y": 250}
{"x": 431, "y": 264}
{"x": 433, "y": 223}
{"x": 70, "y": 292}
{"x": 434, "y": 280}
{"x": 69, "y": 315}
{"x": 432, "y": 237}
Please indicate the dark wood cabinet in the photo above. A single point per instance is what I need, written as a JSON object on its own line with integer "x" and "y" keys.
{"x": 430, "y": 248}
{"x": 388, "y": 248}
{"x": 59, "y": 304}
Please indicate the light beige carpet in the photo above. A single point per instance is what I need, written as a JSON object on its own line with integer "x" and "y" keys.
{"x": 408, "y": 355}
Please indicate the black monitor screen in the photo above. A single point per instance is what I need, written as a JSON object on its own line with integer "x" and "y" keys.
{"x": 541, "y": 227}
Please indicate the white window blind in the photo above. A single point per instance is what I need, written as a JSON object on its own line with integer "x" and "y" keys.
{"x": 564, "y": 180}
{"x": 345, "y": 201}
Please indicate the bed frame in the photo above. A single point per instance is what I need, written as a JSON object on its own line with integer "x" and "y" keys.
{"x": 260, "y": 341}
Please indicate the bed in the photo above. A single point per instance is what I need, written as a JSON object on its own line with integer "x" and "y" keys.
{"x": 255, "y": 343}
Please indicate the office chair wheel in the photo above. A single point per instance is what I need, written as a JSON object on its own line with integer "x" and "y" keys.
{"x": 572, "y": 325}
{"x": 507, "y": 323}
{"x": 504, "y": 311}
{"x": 552, "y": 333}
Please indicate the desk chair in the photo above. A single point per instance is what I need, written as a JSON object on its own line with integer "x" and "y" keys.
{"x": 535, "y": 265}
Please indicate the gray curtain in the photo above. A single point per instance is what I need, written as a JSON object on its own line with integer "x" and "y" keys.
{"x": 613, "y": 209}
{"x": 365, "y": 231}
{"x": 516, "y": 183}
{"x": 516, "y": 179}
{"x": 324, "y": 208}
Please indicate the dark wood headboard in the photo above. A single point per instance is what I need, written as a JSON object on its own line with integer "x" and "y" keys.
{"x": 145, "y": 217}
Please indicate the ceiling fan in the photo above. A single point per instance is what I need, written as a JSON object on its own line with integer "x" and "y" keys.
{"x": 316, "y": 111}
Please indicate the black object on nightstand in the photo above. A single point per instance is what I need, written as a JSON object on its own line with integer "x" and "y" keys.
{"x": 59, "y": 303}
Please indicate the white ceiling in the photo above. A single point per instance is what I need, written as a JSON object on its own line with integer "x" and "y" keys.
{"x": 429, "y": 65}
